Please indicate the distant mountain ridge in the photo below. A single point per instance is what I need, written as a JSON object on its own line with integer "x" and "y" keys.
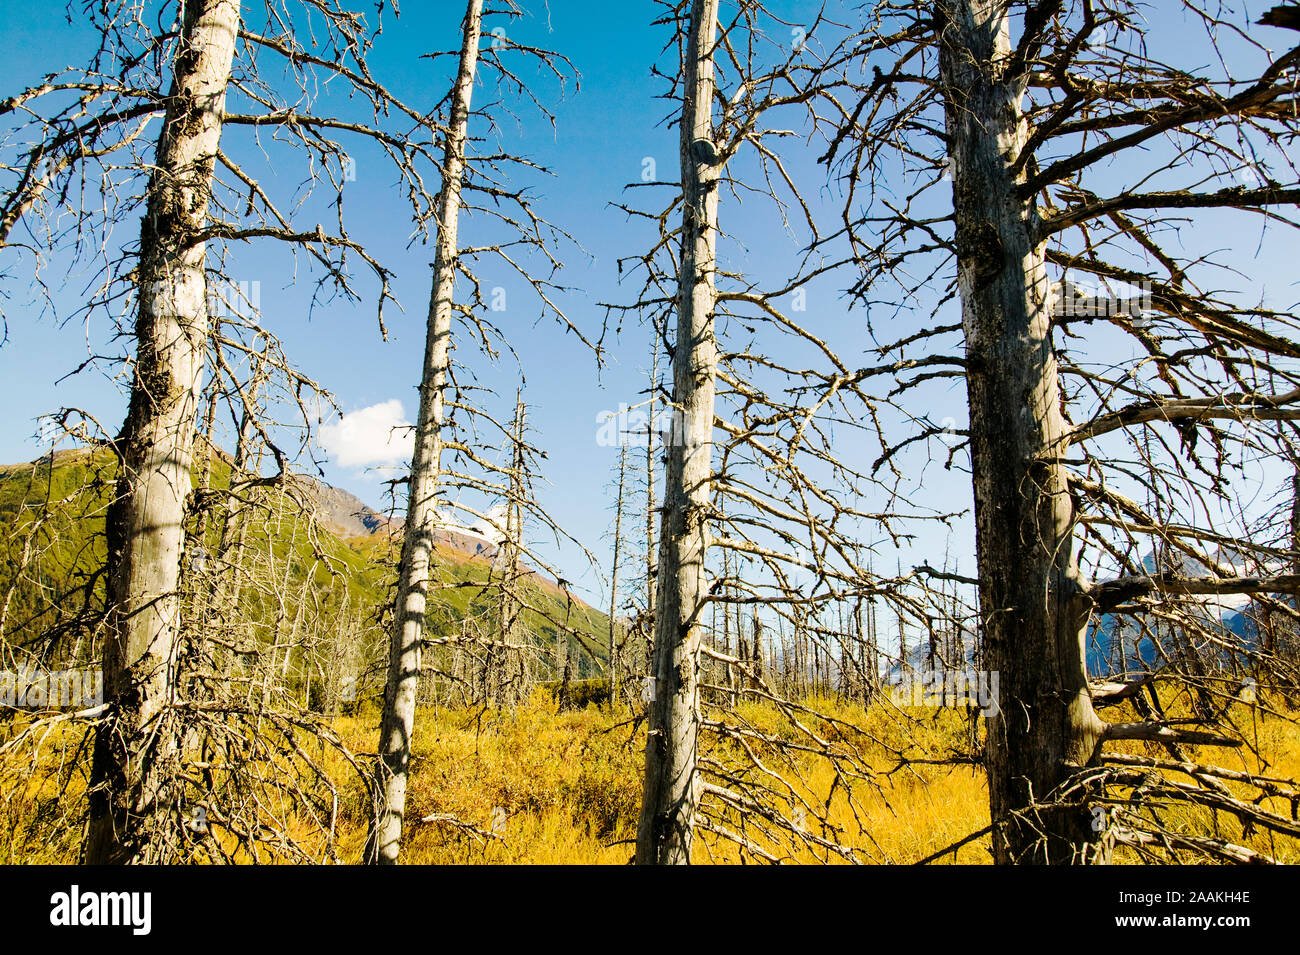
{"x": 348, "y": 516}
{"x": 342, "y": 512}
{"x": 345, "y": 513}
{"x": 1117, "y": 645}
{"x": 79, "y": 482}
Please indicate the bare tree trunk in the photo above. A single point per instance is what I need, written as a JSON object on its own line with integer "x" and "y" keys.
{"x": 798, "y": 639}
{"x": 1030, "y": 595}
{"x": 613, "y": 583}
{"x": 1295, "y": 515}
{"x": 671, "y": 792}
{"x": 784, "y": 673}
{"x": 650, "y": 509}
{"x": 903, "y": 665}
{"x": 861, "y": 690}
{"x": 135, "y": 747}
{"x": 729, "y": 674}
{"x": 845, "y": 686}
{"x": 562, "y": 658}
{"x": 1286, "y": 644}
{"x": 384, "y": 842}
{"x": 511, "y": 547}
{"x": 873, "y": 645}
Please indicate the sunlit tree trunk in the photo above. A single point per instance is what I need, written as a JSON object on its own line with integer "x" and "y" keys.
{"x": 508, "y": 675}
{"x": 613, "y": 583}
{"x": 135, "y": 748}
{"x": 671, "y": 791}
{"x": 650, "y": 510}
{"x": 384, "y": 842}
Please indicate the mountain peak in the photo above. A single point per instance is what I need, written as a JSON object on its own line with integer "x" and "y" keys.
{"x": 343, "y": 512}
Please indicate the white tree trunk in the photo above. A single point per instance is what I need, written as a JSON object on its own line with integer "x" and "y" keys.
{"x": 671, "y": 786}
{"x": 385, "y": 839}
{"x": 135, "y": 748}
{"x": 613, "y": 668}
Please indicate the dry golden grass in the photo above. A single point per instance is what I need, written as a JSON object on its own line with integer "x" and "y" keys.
{"x": 542, "y": 787}
{"x": 548, "y": 788}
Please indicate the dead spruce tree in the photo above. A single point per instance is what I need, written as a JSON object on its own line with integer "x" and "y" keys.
{"x": 1088, "y": 337}
{"x": 80, "y": 147}
{"x": 509, "y": 668}
{"x": 145, "y": 524}
{"x": 762, "y": 511}
{"x": 465, "y": 177}
{"x": 614, "y": 645}
{"x": 670, "y": 794}
{"x": 417, "y": 542}
{"x": 645, "y": 439}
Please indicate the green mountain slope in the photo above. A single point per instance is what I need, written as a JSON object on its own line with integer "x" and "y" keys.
{"x": 52, "y": 514}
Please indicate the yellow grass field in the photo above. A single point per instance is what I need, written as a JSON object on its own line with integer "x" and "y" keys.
{"x": 538, "y": 786}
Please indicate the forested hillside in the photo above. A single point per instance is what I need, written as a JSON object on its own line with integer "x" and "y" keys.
{"x": 310, "y": 582}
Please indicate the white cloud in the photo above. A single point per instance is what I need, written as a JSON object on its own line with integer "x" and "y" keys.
{"x": 367, "y": 436}
{"x": 496, "y": 534}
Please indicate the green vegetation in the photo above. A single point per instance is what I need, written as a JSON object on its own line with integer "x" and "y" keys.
{"x": 292, "y": 577}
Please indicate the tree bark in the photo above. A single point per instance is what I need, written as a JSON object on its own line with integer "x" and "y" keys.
{"x": 1295, "y": 516}
{"x": 384, "y": 842}
{"x": 135, "y": 748}
{"x": 509, "y": 679}
{"x": 650, "y": 508}
{"x": 613, "y": 584}
{"x": 1031, "y": 601}
{"x": 671, "y": 787}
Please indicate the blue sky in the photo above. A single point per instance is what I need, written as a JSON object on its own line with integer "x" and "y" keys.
{"x": 604, "y": 133}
